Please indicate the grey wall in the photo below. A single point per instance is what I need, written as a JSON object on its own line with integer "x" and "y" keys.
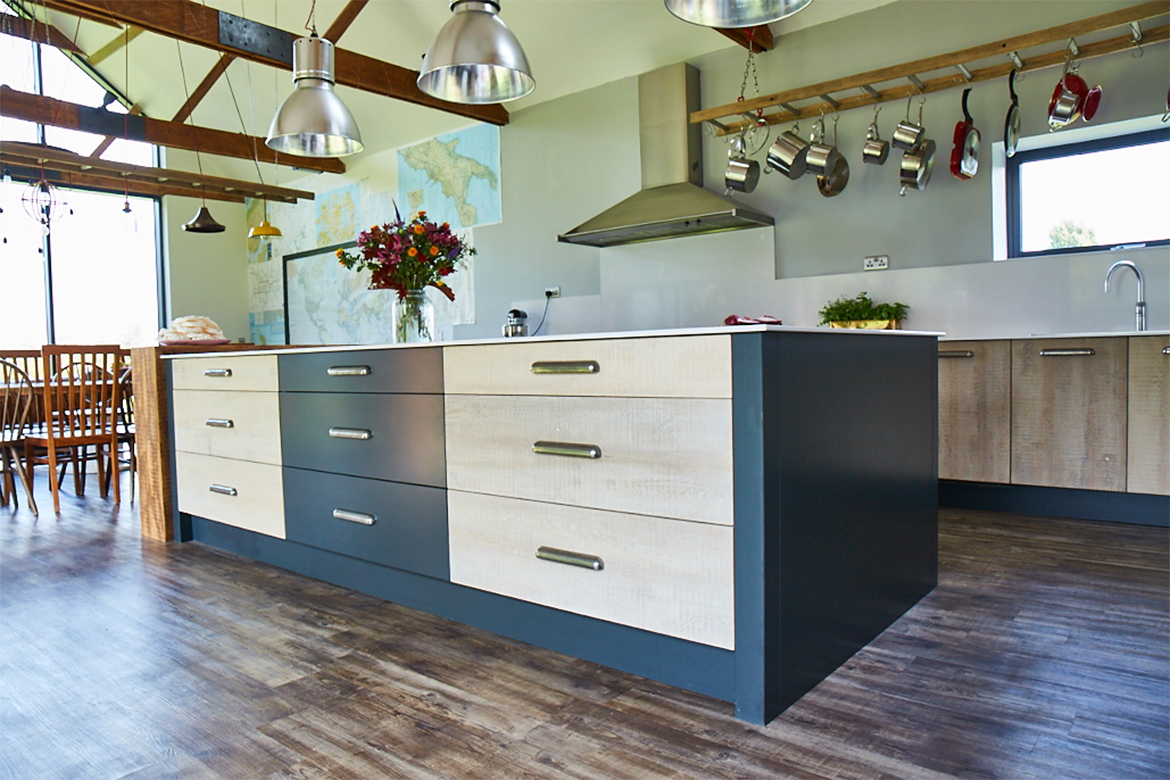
{"x": 566, "y": 160}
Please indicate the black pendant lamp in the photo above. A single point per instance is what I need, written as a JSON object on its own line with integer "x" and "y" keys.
{"x": 203, "y": 222}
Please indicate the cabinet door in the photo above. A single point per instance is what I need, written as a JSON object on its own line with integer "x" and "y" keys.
{"x": 974, "y": 410}
{"x": 1068, "y": 412}
{"x": 1149, "y": 415}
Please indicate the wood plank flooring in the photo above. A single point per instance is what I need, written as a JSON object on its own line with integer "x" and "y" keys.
{"x": 1044, "y": 653}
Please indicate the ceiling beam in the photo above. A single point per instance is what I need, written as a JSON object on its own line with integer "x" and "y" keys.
{"x": 175, "y": 135}
{"x": 757, "y": 39}
{"x": 88, "y": 181}
{"x": 195, "y": 184}
{"x": 32, "y": 30}
{"x": 344, "y": 20}
{"x": 135, "y": 110}
{"x": 122, "y": 39}
{"x": 198, "y": 24}
{"x": 204, "y": 87}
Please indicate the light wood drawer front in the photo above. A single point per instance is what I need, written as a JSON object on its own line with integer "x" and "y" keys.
{"x": 666, "y": 367}
{"x": 258, "y": 500}
{"x": 669, "y": 457}
{"x": 245, "y": 426}
{"x": 221, "y": 372}
{"x": 667, "y": 576}
{"x": 1148, "y": 457}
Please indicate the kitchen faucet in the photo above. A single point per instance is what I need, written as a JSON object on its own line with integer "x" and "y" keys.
{"x": 1139, "y": 310}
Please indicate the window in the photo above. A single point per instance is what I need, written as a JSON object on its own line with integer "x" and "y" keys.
{"x": 93, "y": 278}
{"x": 1089, "y": 196}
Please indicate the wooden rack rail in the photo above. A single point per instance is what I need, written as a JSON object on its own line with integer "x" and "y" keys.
{"x": 957, "y": 61}
{"x": 117, "y": 175}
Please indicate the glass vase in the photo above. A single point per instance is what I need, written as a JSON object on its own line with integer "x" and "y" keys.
{"x": 414, "y": 318}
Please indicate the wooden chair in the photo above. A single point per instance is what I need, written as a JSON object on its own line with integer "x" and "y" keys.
{"x": 16, "y": 401}
{"x": 126, "y": 430}
{"x": 81, "y": 409}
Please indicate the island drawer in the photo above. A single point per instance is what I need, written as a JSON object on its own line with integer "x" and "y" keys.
{"x": 669, "y": 457}
{"x": 238, "y": 425}
{"x": 223, "y": 372}
{"x": 234, "y": 492}
{"x": 390, "y": 523}
{"x": 666, "y": 367}
{"x": 397, "y": 437}
{"x": 667, "y": 576}
{"x": 404, "y": 370}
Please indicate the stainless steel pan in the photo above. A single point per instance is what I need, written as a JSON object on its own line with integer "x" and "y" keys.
{"x": 788, "y": 154}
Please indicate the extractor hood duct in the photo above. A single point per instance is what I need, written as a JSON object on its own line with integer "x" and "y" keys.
{"x": 672, "y": 201}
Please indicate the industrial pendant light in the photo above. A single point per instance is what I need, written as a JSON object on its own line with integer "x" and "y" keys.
{"x": 312, "y": 121}
{"x": 203, "y": 222}
{"x": 265, "y": 231}
{"x": 734, "y": 13}
{"x": 475, "y": 58}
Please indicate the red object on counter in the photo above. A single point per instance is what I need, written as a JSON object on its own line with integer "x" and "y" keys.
{"x": 763, "y": 319}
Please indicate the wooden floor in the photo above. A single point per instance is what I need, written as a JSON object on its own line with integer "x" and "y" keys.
{"x": 1044, "y": 653}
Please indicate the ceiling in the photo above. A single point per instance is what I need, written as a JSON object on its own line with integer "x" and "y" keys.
{"x": 572, "y": 45}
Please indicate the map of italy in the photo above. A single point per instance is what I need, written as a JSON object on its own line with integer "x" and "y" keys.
{"x": 454, "y": 177}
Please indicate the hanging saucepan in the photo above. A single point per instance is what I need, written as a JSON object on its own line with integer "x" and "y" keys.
{"x": 742, "y": 174}
{"x": 1092, "y": 103}
{"x": 788, "y": 154}
{"x": 907, "y": 135}
{"x": 821, "y": 156}
{"x": 1068, "y": 98}
{"x": 832, "y": 182}
{"x": 917, "y": 166}
{"x": 965, "y": 154}
{"x": 1011, "y": 123}
{"x": 875, "y": 150}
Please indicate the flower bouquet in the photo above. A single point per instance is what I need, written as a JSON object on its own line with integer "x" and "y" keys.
{"x": 407, "y": 257}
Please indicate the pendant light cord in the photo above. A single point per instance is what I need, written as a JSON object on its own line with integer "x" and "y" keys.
{"x": 191, "y": 116}
{"x": 311, "y": 21}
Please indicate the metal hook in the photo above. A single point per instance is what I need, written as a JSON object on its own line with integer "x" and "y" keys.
{"x": 1136, "y": 40}
{"x": 1015, "y": 58}
{"x": 877, "y": 109}
{"x": 966, "y": 74}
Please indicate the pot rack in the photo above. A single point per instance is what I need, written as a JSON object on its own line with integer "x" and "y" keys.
{"x": 828, "y": 93}
{"x": 137, "y": 179}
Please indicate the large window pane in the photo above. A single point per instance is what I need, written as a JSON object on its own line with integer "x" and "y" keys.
{"x": 22, "y": 274}
{"x": 17, "y": 69}
{"x": 1097, "y": 198}
{"x": 105, "y": 283}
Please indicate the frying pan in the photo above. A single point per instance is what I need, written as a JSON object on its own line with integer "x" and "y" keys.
{"x": 1068, "y": 100}
{"x": 965, "y": 154}
{"x": 1011, "y": 123}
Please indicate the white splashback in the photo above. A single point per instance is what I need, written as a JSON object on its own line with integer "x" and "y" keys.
{"x": 697, "y": 281}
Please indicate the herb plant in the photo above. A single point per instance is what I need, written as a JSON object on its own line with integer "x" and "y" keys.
{"x": 861, "y": 308}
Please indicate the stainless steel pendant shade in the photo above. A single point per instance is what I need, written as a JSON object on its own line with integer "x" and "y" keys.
{"x": 203, "y": 222}
{"x": 734, "y": 13}
{"x": 312, "y": 121}
{"x": 475, "y": 58}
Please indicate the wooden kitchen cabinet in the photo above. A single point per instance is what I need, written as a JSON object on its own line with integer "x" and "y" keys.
{"x": 1069, "y": 413}
{"x": 1148, "y": 451}
{"x": 975, "y": 410}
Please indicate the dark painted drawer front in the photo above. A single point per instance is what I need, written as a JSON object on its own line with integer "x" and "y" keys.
{"x": 403, "y": 526}
{"x": 404, "y": 435}
{"x": 406, "y": 370}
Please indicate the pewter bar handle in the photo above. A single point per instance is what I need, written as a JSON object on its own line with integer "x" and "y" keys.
{"x": 1081, "y": 352}
{"x": 354, "y": 517}
{"x": 571, "y": 558}
{"x": 223, "y": 490}
{"x": 350, "y": 433}
{"x": 215, "y": 422}
{"x": 217, "y": 372}
{"x": 567, "y": 448}
{"x": 348, "y": 371}
{"x": 956, "y": 353}
{"x": 566, "y": 367}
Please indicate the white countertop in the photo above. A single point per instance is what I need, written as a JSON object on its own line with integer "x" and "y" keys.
{"x": 1036, "y": 336}
{"x": 727, "y": 329}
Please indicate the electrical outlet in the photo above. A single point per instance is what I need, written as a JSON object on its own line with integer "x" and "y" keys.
{"x": 552, "y": 292}
{"x": 876, "y": 263}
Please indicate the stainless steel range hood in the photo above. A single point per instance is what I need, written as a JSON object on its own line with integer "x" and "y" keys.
{"x": 672, "y": 201}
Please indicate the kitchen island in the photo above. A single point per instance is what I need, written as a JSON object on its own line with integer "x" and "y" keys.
{"x": 735, "y": 511}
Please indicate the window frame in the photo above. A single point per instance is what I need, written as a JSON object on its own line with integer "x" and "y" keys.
{"x": 1012, "y": 165}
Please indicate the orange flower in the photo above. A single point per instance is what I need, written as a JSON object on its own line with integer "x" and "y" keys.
{"x": 446, "y": 226}
{"x": 340, "y": 252}
{"x": 412, "y": 251}
{"x": 419, "y": 229}
{"x": 422, "y": 215}
{"x": 434, "y": 251}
